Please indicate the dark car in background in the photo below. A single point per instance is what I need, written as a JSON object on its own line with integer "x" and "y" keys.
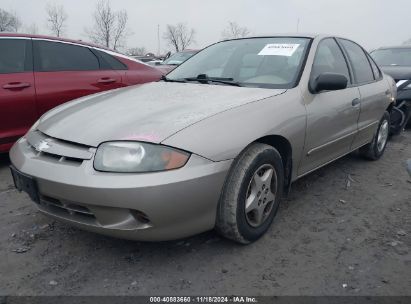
{"x": 396, "y": 62}
{"x": 38, "y": 73}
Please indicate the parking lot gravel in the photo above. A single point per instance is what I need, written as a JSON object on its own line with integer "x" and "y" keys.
{"x": 344, "y": 230}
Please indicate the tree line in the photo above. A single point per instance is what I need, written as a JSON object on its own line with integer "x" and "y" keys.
{"x": 110, "y": 28}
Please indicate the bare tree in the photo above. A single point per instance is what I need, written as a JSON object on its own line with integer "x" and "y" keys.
{"x": 110, "y": 27}
{"x": 120, "y": 30}
{"x": 179, "y": 36}
{"x": 56, "y": 19}
{"x": 233, "y": 30}
{"x": 17, "y": 22}
{"x": 9, "y": 22}
{"x": 138, "y": 51}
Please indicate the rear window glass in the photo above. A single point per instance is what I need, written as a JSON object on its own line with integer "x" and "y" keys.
{"x": 359, "y": 61}
{"x": 56, "y": 56}
{"x": 375, "y": 69}
{"x": 110, "y": 62}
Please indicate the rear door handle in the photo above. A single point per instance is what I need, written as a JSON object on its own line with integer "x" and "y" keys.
{"x": 16, "y": 85}
{"x": 355, "y": 102}
{"x": 106, "y": 80}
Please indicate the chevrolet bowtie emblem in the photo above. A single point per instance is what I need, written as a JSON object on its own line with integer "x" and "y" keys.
{"x": 43, "y": 145}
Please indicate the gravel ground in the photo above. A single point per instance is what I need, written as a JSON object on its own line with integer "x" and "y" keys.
{"x": 344, "y": 230}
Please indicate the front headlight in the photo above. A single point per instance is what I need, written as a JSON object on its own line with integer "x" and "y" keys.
{"x": 128, "y": 156}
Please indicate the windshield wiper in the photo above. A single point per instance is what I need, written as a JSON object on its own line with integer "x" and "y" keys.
{"x": 203, "y": 78}
{"x": 164, "y": 78}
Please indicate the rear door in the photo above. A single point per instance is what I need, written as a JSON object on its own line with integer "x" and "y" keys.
{"x": 17, "y": 93}
{"x": 65, "y": 71}
{"x": 331, "y": 115}
{"x": 373, "y": 91}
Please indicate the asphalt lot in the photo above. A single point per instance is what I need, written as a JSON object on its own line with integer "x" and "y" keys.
{"x": 344, "y": 230}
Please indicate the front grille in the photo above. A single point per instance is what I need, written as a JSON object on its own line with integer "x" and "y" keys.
{"x": 55, "y": 157}
{"x": 58, "y": 150}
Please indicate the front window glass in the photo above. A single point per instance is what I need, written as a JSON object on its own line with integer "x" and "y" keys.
{"x": 255, "y": 62}
{"x": 13, "y": 55}
{"x": 329, "y": 59}
{"x": 399, "y": 56}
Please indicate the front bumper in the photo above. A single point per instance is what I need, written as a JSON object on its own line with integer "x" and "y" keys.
{"x": 148, "y": 207}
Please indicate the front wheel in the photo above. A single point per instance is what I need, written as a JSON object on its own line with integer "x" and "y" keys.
{"x": 251, "y": 194}
{"x": 375, "y": 149}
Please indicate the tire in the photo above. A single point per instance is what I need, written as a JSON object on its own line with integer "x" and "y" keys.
{"x": 246, "y": 186}
{"x": 375, "y": 149}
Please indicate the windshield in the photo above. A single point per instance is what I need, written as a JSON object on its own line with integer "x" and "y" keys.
{"x": 255, "y": 62}
{"x": 398, "y": 56}
{"x": 178, "y": 58}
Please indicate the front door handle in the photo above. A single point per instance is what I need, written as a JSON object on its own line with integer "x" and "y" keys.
{"x": 106, "y": 80}
{"x": 16, "y": 85}
{"x": 355, "y": 102}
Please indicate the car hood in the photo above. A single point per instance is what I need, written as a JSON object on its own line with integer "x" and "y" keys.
{"x": 150, "y": 112}
{"x": 398, "y": 72}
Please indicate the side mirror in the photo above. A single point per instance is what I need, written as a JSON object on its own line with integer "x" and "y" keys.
{"x": 329, "y": 82}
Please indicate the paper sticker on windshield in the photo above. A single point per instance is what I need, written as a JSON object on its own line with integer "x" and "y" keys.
{"x": 279, "y": 49}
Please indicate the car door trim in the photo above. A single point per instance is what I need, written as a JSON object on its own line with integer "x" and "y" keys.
{"x": 369, "y": 125}
{"x": 331, "y": 142}
{"x": 324, "y": 164}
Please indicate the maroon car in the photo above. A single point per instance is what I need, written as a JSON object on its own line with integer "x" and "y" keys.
{"x": 38, "y": 73}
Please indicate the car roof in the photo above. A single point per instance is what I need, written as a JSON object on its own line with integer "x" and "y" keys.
{"x": 20, "y": 35}
{"x": 297, "y": 35}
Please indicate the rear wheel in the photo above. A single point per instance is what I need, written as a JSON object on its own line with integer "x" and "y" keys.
{"x": 251, "y": 194}
{"x": 375, "y": 149}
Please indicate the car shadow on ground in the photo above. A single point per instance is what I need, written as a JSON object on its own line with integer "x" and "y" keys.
{"x": 135, "y": 250}
{"x": 4, "y": 160}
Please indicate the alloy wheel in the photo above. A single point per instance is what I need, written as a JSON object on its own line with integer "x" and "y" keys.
{"x": 260, "y": 195}
{"x": 382, "y": 136}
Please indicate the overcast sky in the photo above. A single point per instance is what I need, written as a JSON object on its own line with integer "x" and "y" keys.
{"x": 372, "y": 23}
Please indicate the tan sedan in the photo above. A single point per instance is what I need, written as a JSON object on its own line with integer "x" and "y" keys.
{"x": 215, "y": 144}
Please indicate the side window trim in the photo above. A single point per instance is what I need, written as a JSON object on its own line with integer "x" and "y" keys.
{"x": 99, "y": 58}
{"x": 350, "y": 81}
{"x": 370, "y": 60}
{"x": 353, "y": 80}
{"x": 28, "y": 60}
{"x": 357, "y": 83}
{"x": 104, "y": 65}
